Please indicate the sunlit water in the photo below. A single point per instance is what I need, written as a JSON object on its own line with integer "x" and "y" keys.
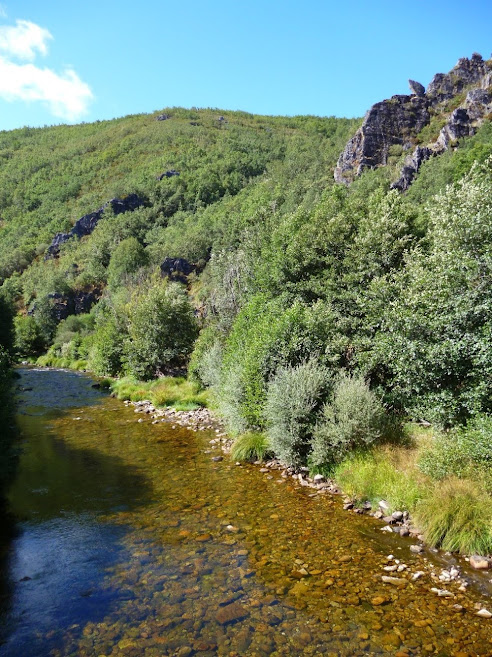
{"x": 125, "y": 538}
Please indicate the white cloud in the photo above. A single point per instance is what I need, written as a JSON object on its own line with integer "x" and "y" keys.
{"x": 3, "y": 11}
{"x": 66, "y": 95}
{"x": 23, "y": 40}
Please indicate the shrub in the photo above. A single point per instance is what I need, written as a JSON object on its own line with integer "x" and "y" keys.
{"x": 462, "y": 451}
{"x": 28, "y": 338}
{"x": 127, "y": 258}
{"x": 457, "y": 516}
{"x": 352, "y": 419}
{"x": 106, "y": 353}
{"x": 162, "y": 330}
{"x": 293, "y": 398}
{"x": 206, "y": 359}
{"x": 251, "y": 446}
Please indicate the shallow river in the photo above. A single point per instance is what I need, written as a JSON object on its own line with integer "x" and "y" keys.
{"x": 125, "y": 538}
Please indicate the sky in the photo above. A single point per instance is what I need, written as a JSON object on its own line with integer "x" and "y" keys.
{"x": 68, "y": 62}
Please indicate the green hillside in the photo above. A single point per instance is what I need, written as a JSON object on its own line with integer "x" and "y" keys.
{"x": 321, "y": 317}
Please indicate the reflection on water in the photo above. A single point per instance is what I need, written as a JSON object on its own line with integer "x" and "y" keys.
{"x": 136, "y": 543}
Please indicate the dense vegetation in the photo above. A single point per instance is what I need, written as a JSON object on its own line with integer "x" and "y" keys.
{"x": 320, "y": 317}
{"x": 7, "y": 454}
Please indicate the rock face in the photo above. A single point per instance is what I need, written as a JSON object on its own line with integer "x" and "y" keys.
{"x": 86, "y": 224}
{"x": 74, "y": 303}
{"x": 177, "y": 269}
{"x": 399, "y": 120}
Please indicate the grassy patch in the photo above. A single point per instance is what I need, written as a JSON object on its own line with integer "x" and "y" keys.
{"x": 49, "y": 360}
{"x": 177, "y": 392}
{"x": 251, "y": 446}
{"x": 456, "y": 515}
{"x": 382, "y": 474}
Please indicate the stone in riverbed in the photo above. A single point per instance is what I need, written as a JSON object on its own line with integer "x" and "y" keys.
{"x": 231, "y": 614}
{"x": 396, "y": 581}
{"x": 484, "y": 613}
{"x": 479, "y": 563}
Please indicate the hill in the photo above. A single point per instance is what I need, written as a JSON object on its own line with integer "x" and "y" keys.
{"x": 320, "y": 315}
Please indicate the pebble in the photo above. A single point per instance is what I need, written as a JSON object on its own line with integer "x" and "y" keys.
{"x": 479, "y": 563}
{"x": 484, "y": 613}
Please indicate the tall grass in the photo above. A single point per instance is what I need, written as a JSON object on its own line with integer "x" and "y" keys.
{"x": 372, "y": 476}
{"x": 456, "y": 515}
{"x": 251, "y": 446}
{"x": 177, "y": 392}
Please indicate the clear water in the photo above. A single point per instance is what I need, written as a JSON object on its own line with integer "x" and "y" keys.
{"x": 125, "y": 538}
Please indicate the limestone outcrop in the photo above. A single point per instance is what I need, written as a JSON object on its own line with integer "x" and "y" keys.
{"x": 399, "y": 120}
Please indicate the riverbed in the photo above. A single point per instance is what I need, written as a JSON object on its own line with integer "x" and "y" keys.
{"x": 125, "y": 538}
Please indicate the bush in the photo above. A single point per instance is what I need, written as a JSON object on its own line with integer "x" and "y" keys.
{"x": 457, "y": 516}
{"x": 352, "y": 419}
{"x": 162, "y": 330}
{"x": 206, "y": 359}
{"x": 28, "y": 338}
{"x": 294, "y": 396}
{"x": 127, "y": 258}
{"x": 465, "y": 451}
{"x": 251, "y": 446}
{"x": 106, "y": 353}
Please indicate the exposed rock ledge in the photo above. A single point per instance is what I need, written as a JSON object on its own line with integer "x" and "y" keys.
{"x": 398, "y": 121}
{"x": 86, "y": 224}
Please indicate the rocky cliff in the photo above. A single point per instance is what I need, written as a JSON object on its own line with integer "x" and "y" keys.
{"x": 86, "y": 224}
{"x": 463, "y": 97}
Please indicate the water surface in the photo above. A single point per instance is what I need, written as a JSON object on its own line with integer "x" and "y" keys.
{"x": 125, "y": 538}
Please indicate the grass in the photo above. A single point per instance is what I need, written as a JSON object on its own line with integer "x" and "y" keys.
{"x": 178, "y": 392}
{"x": 251, "y": 446}
{"x": 49, "y": 360}
{"x": 454, "y": 513}
{"x": 457, "y": 516}
{"x": 377, "y": 475}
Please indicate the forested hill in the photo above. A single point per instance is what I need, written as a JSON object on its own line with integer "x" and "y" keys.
{"x": 124, "y": 241}
{"x": 319, "y": 315}
{"x": 51, "y": 177}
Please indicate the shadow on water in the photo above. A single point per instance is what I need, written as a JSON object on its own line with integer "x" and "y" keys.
{"x": 55, "y": 546}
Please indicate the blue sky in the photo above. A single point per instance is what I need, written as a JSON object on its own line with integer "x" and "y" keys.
{"x": 63, "y": 62}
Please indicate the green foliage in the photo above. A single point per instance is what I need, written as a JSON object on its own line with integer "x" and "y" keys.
{"x": 127, "y": 258}
{"x": 166, "y": 391}
{"x": 463, "y": 452}
{"x": 353, "y": 418}
{"x": 457, "y": 516}
{"x": 294, "y": 397}
{"x": 161, "y": 331}
{"x": 432, "y": 351}
{"x": 28, "y": 338}
{"x": 372, "y": 476}
{"x": 250, "y": 446}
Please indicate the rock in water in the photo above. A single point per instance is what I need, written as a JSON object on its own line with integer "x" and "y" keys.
{"x": 231, "y": 614}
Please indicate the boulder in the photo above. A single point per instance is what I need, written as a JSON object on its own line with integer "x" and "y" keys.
{"x": 400, "y": 119}
{"x": 177, "y": 269}
{"x": 416, "y": 88}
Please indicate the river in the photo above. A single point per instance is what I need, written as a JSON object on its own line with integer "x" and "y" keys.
{"x": 125, "y": 538}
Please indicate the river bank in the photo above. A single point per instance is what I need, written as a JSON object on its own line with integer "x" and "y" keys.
{"x": 196, "y": 555}
{"x": 385, "y": 483}
{"x": 394, "y": 521}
